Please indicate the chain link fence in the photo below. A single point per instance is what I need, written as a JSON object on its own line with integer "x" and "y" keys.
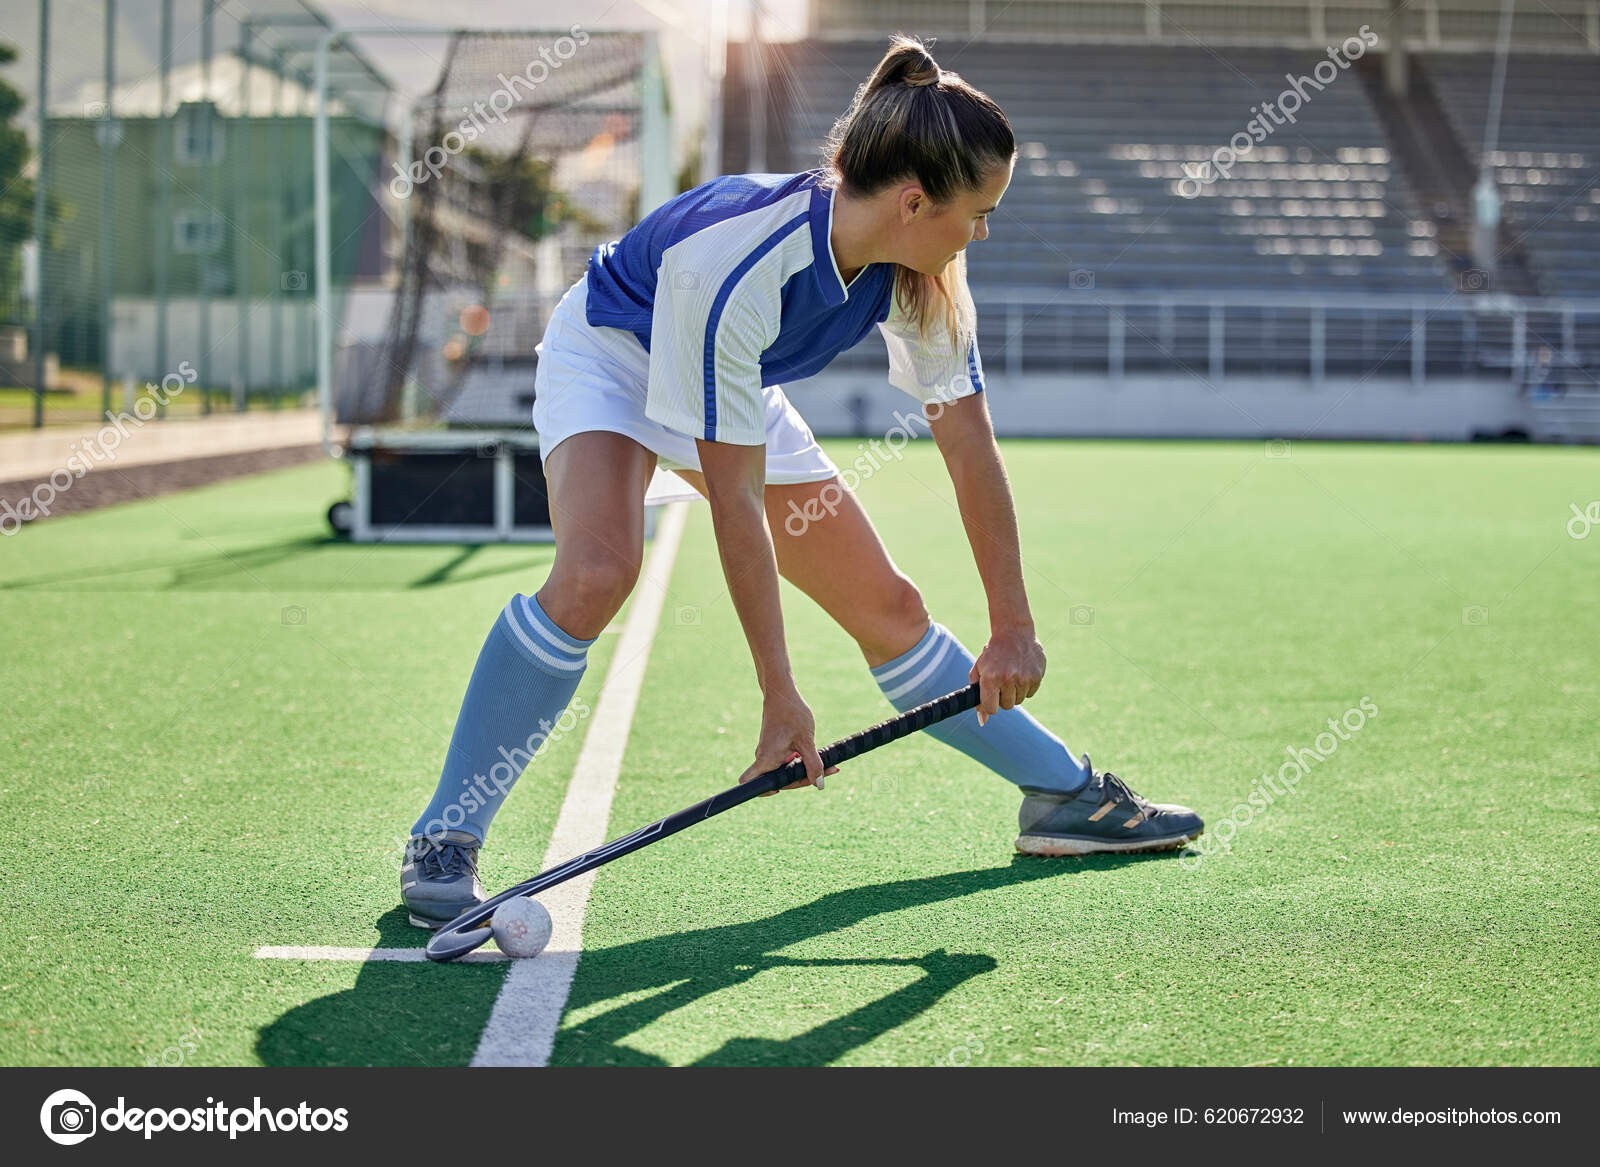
{"x": 170, "y": 180}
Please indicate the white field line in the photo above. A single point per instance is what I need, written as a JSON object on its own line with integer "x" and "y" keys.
{"x": 402, "y": 955}
{"x": 522, "y": 1026}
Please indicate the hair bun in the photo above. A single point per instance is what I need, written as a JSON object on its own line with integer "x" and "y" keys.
{"x": 925, "y": 72}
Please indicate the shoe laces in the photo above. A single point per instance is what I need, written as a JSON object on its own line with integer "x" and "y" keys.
{"x": 446, "y": 858}
{"x": 1117, "y": 790}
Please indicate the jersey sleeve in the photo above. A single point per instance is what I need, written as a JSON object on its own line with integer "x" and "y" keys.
{"x": 709, "y": 326}
{"x": 929, "y": 368}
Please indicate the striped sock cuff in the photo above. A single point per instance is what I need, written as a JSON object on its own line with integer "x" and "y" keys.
{"x": 908, "y": 673}
{"x": 540, "y": 639}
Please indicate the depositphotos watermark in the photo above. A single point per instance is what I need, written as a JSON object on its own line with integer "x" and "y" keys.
{"x": 1266, "y": 790}
{"x": 179, "y": 1052}
{"x": 1584, "y": 521}
{"x": 1290, "y": 102}
{"x": 68, "y": 1117}
{"x": 970, "y": 1049}
{"x": 481, "y": 788}
{"x": 874, "y": 456}
{"x": 100, "y": 446}
{"x": 436, "y": 157}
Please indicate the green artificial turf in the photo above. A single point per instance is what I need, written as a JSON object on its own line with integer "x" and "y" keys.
{"x": 190, "y": 772}
{"x": 222, "y": 725}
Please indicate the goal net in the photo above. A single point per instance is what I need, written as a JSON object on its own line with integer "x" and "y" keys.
{"x": 528, "y": 151}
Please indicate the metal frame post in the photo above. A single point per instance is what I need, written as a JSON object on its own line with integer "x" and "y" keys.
{"x": 165, "y": 159}
{"x": 324, "y": 245}
{"x": 1419, "y": 346}
{"x": 108, "y": 217}
{"x": 716, "y": 71}
{"x": 1319, "y": 345}
{"x": 1116, "y": 341}
{"x": 204, "y": 364}
{"x": 1216, "y": 343}
{"x": 656, "y": 138}
{"x": 241, "y": 229}
{"x": 275, "y": 168}
{"x": 1488, "y": 208}
{"x": 1013, "y": 340}
{"x": 41, "y": 283}
{"x": 756, "y": 90}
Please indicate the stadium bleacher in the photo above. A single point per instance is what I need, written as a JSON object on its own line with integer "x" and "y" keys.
{"x": 1111, "y": 139}
{"x": 1338, "y": 246}
{"x": 1104, "y": 135}
{"x": 1548, "y": 159}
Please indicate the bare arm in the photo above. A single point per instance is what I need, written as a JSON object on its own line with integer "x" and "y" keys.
{"x": 735, "y": 479}
{"x": 1012, "y": 664}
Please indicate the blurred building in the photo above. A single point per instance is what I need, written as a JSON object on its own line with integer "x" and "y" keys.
{"x": 234, "y": 225}
{"x": 176, "y": 164}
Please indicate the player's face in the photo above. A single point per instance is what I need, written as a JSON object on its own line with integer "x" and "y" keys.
{"x": 938, "y": 233}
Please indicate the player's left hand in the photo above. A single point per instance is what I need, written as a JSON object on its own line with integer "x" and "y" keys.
{"x": 1008, "y": 672}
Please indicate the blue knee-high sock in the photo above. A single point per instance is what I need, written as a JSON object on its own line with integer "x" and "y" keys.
{"x": 526, "y": 673}
{"x": 1012, "y": 743}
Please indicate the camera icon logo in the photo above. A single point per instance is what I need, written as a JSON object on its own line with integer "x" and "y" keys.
{"x": 1081, "y": 280}
{"x": 68, "y": 1117}
{"x": 1080, "y": 615}
{"x": 1475, "y": 616}
{"x": 1584, "y": 521}
{"x": 292, "y": 281}
{"x": 687, "y": 616}
{"x": 1278, "y": 448}
{"x": 1472, "y": 280}
{"x": 294, "y": 616}
{"x": 686, "y": 281}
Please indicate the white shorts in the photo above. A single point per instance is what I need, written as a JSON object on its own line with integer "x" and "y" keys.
{"x": 593, "y": 378}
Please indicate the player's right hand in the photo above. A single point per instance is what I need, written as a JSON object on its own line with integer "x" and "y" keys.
{"x": 788, "y": 731}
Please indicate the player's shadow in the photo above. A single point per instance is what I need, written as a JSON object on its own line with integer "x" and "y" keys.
{"x": 419, "y": 1013}
{"x": 309, "y": 563}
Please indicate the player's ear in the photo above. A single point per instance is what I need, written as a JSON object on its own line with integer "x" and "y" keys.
{"x": 914, "y": 203}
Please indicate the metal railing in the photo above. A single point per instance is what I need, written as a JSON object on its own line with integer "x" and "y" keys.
{"x": 1304, "y": 335}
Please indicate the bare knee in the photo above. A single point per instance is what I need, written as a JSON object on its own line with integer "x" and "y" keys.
{"x": 900, "y": 619}
{"x": 905, "y": 606}
{"x": 586, "y": 589}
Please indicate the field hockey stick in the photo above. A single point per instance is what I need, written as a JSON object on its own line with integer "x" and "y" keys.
{"x": 471, "y": 929}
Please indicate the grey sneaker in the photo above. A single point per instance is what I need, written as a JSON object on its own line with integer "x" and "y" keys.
{"x": 439, "y": 878}
{"x": 1104, "y": 816}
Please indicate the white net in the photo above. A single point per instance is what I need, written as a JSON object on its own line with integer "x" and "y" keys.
{"x": 526, "y": 154}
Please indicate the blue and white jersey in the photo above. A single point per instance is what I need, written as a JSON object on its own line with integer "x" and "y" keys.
{"x": 732, "y": 287}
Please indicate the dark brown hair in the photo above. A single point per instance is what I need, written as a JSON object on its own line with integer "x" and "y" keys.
{"x": 911, "y": 119}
